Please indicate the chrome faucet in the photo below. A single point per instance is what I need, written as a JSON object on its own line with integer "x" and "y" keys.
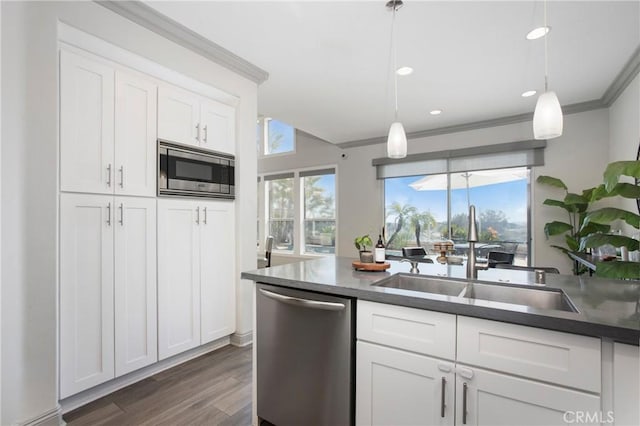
{"x": 472, "y": 266}
{"x": 414, "y": 265}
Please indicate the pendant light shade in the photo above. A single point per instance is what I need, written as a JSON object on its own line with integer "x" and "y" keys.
{"x": 397, "y": 141}
{"x": 547, "y": 117}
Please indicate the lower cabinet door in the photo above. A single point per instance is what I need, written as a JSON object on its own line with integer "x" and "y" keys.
{"x": 498, "y": 399}
{"x": 217, "y": 271}
{"x": 394, "y": 387}
{"x": 86, "y": 292}
{"x": 178, "y": 277}
{"x": 135, "y": 284}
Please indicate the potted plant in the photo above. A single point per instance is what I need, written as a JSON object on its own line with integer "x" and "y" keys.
{"x": 361, "y": 243}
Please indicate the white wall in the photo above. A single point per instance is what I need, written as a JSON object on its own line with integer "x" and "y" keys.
{"x": 624, "y": 136}
{"x": 29, "y": 184}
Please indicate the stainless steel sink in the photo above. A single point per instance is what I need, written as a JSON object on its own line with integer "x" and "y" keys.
{"x": 540, "y": 298}
{"x": 423, "y": 284}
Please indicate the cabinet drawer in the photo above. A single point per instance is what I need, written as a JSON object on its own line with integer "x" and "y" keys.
{"x": 545, "y": 355}
{"x": 417, "y": 330}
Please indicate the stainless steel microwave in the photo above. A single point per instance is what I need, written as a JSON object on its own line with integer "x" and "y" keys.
{"x": 186, "y": 171}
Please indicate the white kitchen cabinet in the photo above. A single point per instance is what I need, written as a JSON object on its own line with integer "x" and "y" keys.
{"x": 107, "y": 288}
{"x": 196, "y": 286}
{"x": 217, "y": 269}
{"x": 494, "y": 399}
{"x": 135, "y": 136}
{"x": 395, "y": 387}
{"x": 135, "y": 284}
{"x": 86, "y": 292}
{"x": 189, "y": 119}
{"x": 218, "y": 123}
{"x": 626, "y": 384}
{"x": 86, "y": 125}
{"x": 107, "y": 129}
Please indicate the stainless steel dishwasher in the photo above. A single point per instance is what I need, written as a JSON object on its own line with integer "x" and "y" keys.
{"x": 305, "y": 357}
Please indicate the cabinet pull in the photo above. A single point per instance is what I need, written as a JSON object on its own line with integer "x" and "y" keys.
{"x": 205, "y": 134}
{"x": 198, "y": 215}
{"x": 464, "y": 403}
{"x": 109, "y": 214}
{"x": 109, "y": 175}
{"x": 198, "y": 132}
{"x": 121, "y": 214}
{"x": 205, "y": 215}
{"x": 442, "y": 404}
{"x": 121, "y": 176}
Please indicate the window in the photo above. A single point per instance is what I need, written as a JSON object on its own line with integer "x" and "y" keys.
{"x": 319, "y": 211}
{"x": 420, "y": 210}
{"x": 279, "y": 137}
{"x": 299, "y": 211}
{"x": 280, "y": 202}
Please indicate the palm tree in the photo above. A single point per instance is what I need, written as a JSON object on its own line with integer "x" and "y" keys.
{"x": 418, "y": 220}
{"x": 401, "y": 213}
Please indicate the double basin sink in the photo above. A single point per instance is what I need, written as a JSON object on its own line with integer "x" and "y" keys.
{"x": 539, "y": 298}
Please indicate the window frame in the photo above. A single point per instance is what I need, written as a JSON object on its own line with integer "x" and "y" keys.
{"x": 264, "y": 138}
{"x": 298, "y": 224}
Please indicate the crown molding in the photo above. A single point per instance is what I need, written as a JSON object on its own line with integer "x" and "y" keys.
{"x": 623, "y": 79}
{"x": 483, "y": 124}
{"x": 149, "y": 18}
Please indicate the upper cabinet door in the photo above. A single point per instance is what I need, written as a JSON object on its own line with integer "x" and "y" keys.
{"x": 135, "y": 136}
{"x": 218, "y": 123}
{"x": 136, "y": 343}
{"x": 86, "y": 292}
{"x": 217, "y": 270}
{"x": 178, "y": 116}
{"x": 86, "y": 125}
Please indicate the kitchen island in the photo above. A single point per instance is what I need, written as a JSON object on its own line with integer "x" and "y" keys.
{"x": 464, "y": 360}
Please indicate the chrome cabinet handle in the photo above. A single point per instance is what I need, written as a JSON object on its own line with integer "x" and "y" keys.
{"x": 121, "y": 214}
{"x": 109, "y": 214}
{"x": 442, "y": 404}
{"x": 205, "y": 215}
{"x": 205, "y": 134}
{"x": 109, "y": 175}
{"x": 304, "y": 303}
{"x": 198, "y": 215}
{"x": 464, "y": 403}
{"x": 198, "y": 132}
{"x": 121, "y": 176}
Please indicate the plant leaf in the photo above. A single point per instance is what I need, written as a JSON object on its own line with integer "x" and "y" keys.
{"x": 572, "y": 243}
{"x": 618, "y": 269}
{"x": 551, "y": 181}
{"x": 600, "y": 239}
{"x": 562, "y": 249}
{"x": 609, "y": 214}
{"x": 555, "y": 203}
{"x": 556, "y": 228}
{"x": 618, "y": 168}
{"x": 592, "y": 227}
{"x": 576, "y": 203}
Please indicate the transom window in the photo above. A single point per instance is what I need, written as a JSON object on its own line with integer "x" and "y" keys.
{"x": 279, "y": 137}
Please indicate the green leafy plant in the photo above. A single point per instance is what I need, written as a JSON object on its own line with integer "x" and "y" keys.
{"x": 362, "y": 242}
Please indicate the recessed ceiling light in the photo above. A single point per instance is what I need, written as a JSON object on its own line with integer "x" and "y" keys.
{"x": 537, "y": 33}
{"x": 436, "y": 112}
{"x": 404, "y": 70}
{"x": 528, "y": 93}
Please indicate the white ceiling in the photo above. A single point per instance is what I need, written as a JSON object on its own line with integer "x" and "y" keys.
{"x": 328, "y": 61}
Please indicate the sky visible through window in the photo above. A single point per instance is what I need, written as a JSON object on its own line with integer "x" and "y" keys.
{"x": 281, "y": 137}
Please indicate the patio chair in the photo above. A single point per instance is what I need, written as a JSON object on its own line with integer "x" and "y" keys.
{"x": 499, "y": 257}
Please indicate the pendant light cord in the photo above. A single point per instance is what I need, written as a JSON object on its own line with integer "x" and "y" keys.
{"x": 395, "y": 59}
{"x": 546, "y": 59}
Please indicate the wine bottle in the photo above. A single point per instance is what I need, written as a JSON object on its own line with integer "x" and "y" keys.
{"x": 379, "y": 254}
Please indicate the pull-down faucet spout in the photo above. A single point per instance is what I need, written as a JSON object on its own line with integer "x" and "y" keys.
{"x": 472, "y": 266}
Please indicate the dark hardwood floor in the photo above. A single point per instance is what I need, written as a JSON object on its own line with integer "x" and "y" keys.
{"x": 214, "y": 389}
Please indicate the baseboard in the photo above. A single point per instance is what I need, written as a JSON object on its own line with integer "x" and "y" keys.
{"x": 85, "y": 397}
{"x": 52, "y": 417}
{"x": 242, "y": 339}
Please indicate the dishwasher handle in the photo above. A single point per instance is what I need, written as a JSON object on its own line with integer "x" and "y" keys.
{"x": 304, "y": 303}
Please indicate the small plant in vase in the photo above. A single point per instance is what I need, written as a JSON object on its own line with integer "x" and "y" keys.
{"x": 361, "y": 243}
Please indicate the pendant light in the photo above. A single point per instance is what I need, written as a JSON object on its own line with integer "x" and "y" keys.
{"x": 547, "y": 117}
{"x": 397, "y": 139}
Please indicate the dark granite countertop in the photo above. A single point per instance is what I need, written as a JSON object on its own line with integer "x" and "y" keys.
{"x": 607, "y": 308}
